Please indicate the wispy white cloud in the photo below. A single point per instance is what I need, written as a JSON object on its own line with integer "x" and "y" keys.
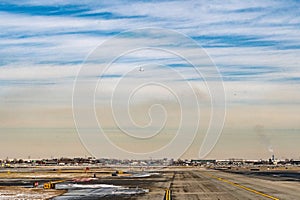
{"x": 239, "y": 25}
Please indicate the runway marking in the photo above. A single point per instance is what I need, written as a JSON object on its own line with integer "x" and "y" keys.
{"x": 243, "y": 187}
{"x": 168, "y": 195}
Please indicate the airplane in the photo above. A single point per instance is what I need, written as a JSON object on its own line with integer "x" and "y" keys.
{"x": 141, "y": 69}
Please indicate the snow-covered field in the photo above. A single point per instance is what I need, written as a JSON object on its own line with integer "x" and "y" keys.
{"x": 95, "y": 191}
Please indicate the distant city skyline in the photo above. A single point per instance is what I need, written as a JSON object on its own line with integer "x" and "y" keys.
{"x": 255, "y": 47}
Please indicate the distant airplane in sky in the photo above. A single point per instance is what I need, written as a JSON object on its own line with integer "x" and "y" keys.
{"x": 141, "y": 69}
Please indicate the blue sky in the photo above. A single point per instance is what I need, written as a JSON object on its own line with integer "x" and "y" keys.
{"x": 254, "y": 44}
{"x": 236, "y": 35}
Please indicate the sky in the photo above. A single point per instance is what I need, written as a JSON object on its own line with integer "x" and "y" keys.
{"x": 133, "y": 66}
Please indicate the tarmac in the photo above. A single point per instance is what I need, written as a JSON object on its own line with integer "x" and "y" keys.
{"x": 217, "y": 185}
{"x": 183, "y": 182}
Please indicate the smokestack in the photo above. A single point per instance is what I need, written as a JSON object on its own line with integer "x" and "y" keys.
{"x": 273, "y": 157}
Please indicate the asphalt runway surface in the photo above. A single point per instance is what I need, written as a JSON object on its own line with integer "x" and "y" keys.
{"x": 212, "y": 184}
{"x": 220, "y": 185}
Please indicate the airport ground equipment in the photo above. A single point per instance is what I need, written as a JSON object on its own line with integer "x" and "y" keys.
{"x": 51, "y": 184}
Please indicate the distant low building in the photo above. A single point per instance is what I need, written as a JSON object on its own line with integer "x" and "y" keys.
{"x": 203, "y": 162}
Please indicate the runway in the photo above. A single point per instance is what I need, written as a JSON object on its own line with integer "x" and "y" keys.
{"x": 151, "y": 184}
{"x": 201, "y": 184}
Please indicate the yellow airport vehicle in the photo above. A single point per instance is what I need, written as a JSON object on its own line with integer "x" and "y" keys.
{"x": 51, "y": 184}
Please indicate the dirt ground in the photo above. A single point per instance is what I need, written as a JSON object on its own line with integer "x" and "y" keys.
{"x": 13, "y": 192}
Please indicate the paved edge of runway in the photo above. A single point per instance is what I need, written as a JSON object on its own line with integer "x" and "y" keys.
{"x": 243, "y": 187}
